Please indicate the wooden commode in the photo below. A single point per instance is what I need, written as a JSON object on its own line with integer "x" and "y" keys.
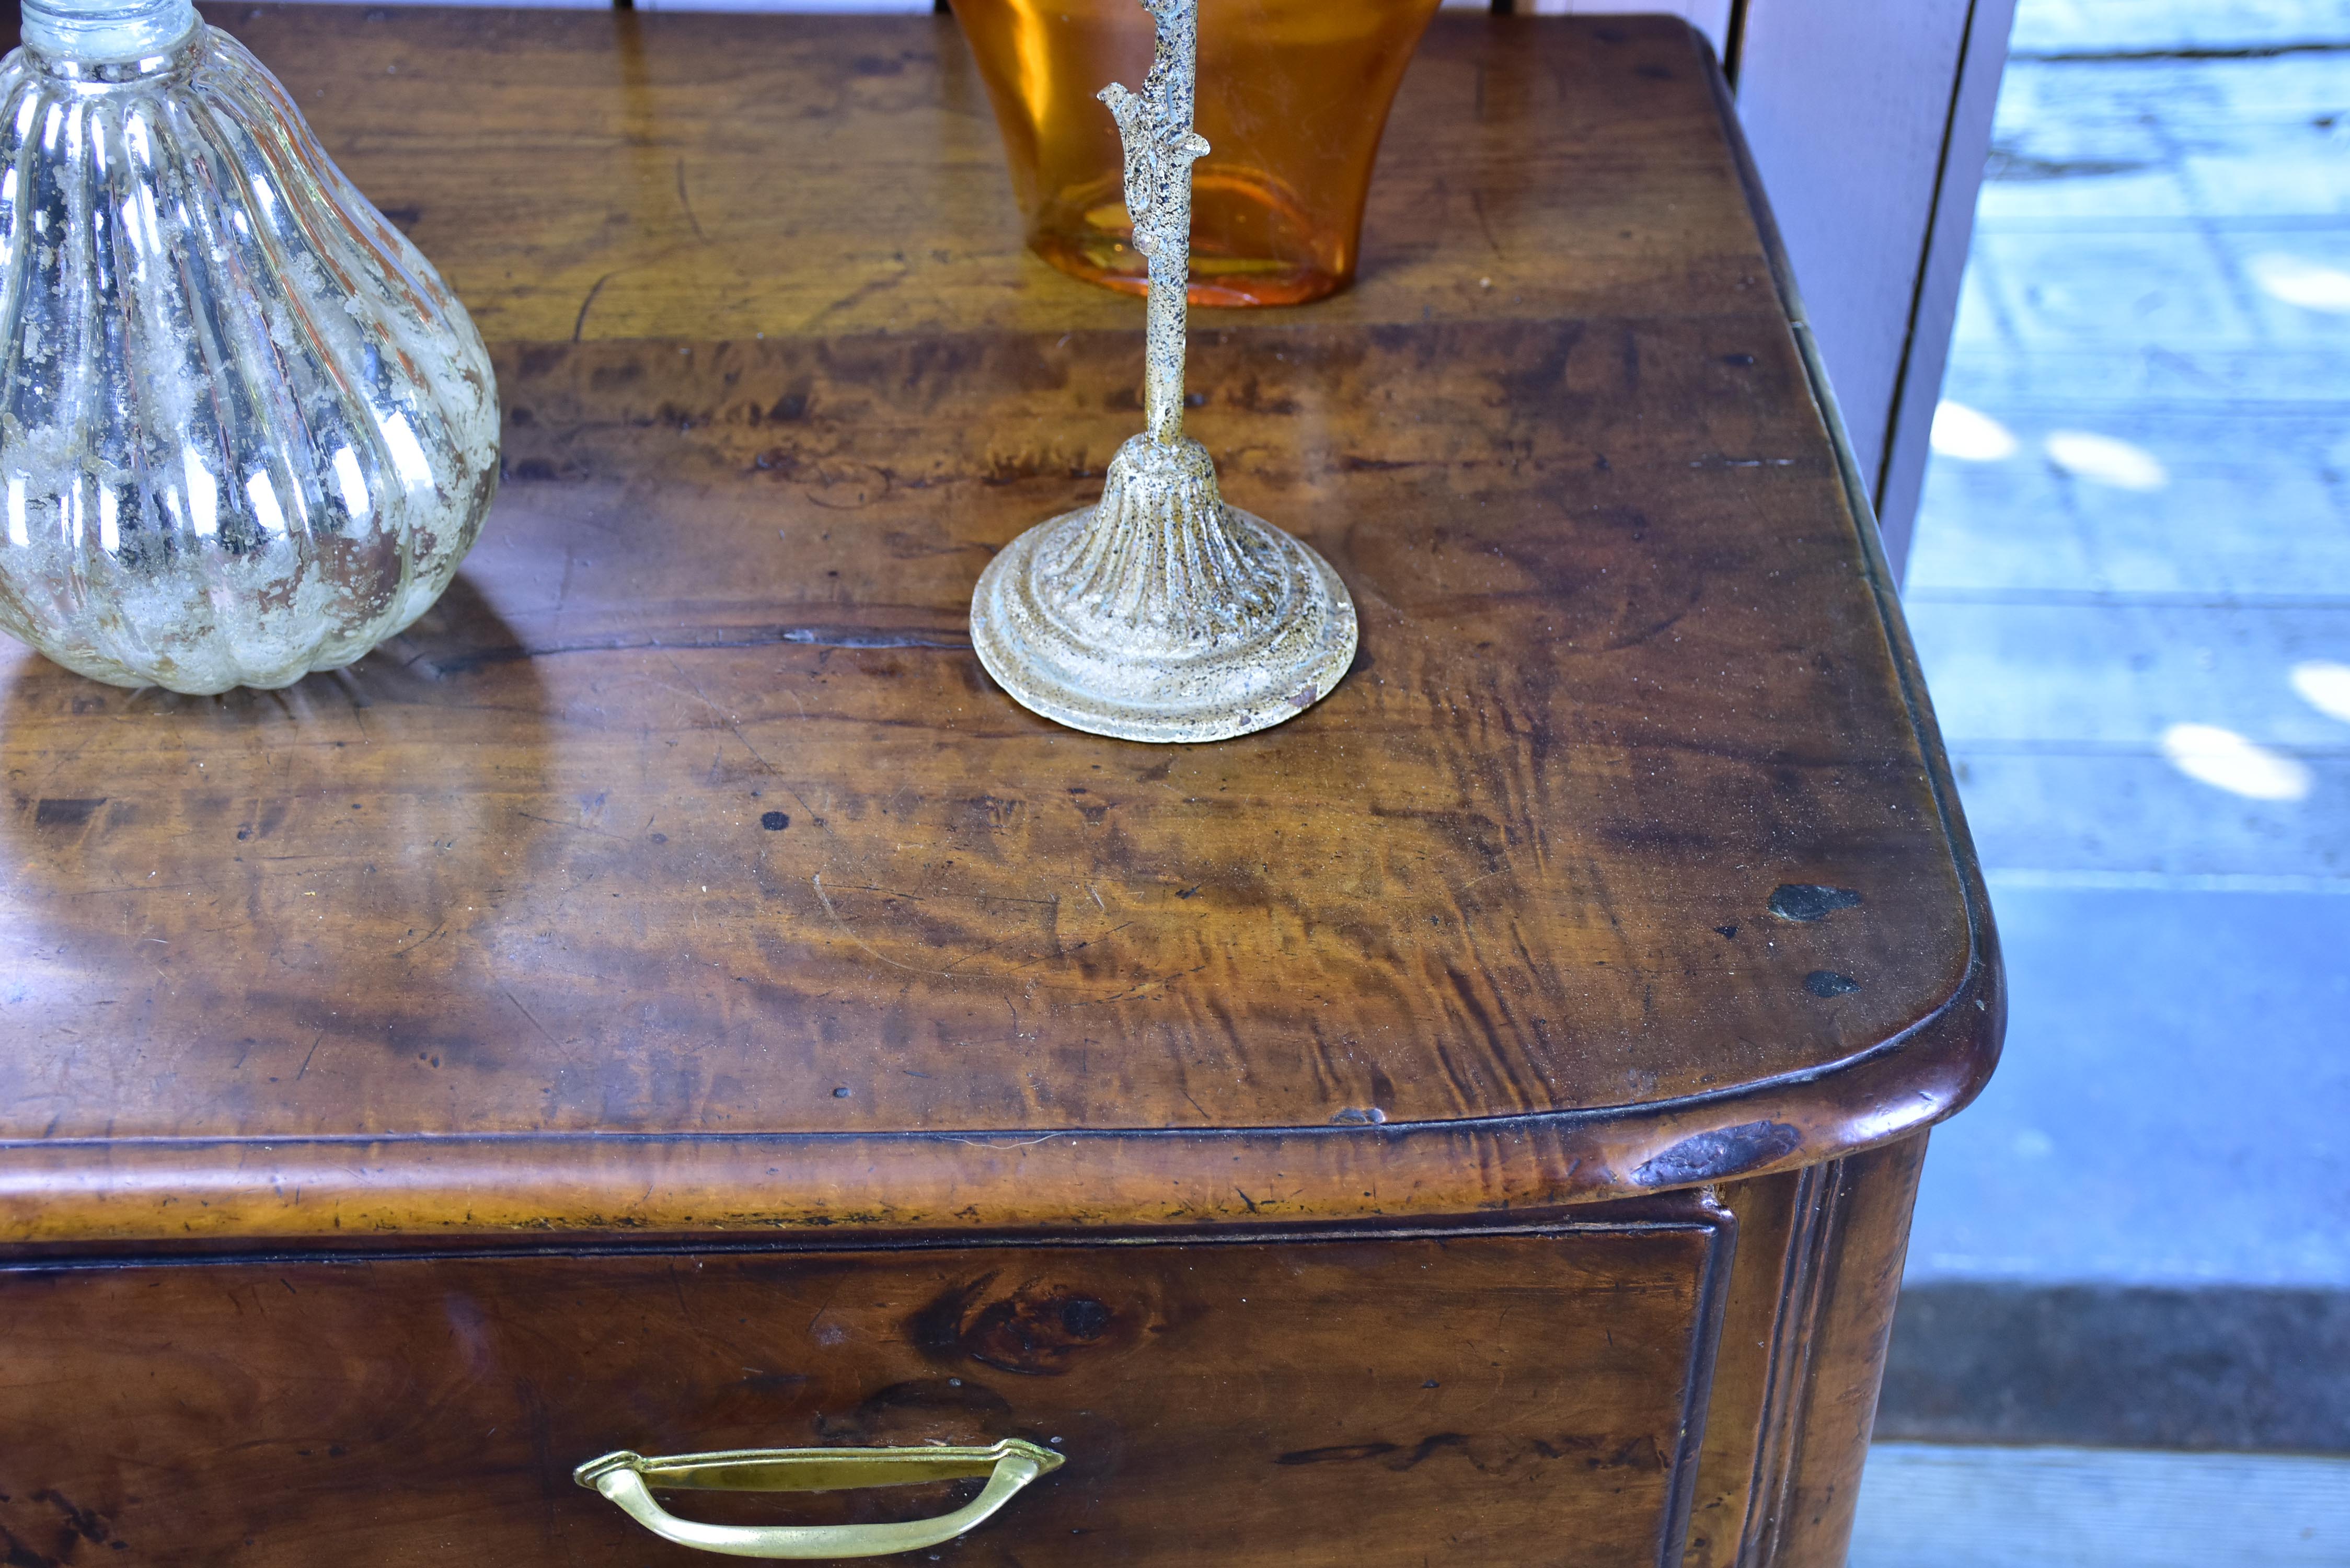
{"x": 669, "y": 1000}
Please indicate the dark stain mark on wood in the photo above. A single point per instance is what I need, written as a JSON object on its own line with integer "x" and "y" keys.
{"x": 1540, "y": 381}
{"x": 20, "y": 1555}
{"x": 937, "y": 1328}
{"x": 72, "y": 813}
{"x": 775, "y": 821}
{"x": 1730, "y": 931}
{"x": 1810, "y": 901}
{"x": 1826, "y": 982}
{"x": 1341, "y": 1453}
{"x": 1398, "y": 1458}
{"x": 1085, "y": 1318}
{"x": 1642, "y": 1453}
{"x": 1429, "y": 1445}
{"x": 1035, "y": 1330}
{"x": 1710, "y": 1156}
{"x": 85, "y": 1524}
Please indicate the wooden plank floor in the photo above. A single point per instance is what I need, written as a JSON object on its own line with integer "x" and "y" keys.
{"x": 1927, "y": 1507}
{"x": 2136, "y": 540}
{"x": 2139, "y": 519}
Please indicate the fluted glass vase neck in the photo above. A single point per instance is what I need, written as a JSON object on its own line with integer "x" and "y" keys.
{"x": 93, "y": 32}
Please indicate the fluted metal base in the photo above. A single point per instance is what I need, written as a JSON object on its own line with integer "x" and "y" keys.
{"x": 1162, "y": 614}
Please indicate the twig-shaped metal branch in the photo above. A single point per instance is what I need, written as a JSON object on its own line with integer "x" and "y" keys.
{"x": 1162, "y": 612}
{"x": 1154, "y": 126}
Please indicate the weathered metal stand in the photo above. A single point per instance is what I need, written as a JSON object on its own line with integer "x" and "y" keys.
{"x": 1162, "y": 613}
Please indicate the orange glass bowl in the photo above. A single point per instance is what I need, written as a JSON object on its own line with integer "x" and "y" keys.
{"x": 1292, "y": 97}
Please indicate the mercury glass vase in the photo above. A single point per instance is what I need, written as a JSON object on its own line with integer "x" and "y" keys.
{"x": 246, "y": 433}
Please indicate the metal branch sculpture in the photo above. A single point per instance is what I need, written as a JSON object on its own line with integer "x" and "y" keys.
{"x": 1162, "y": 613}
{"x": 1155, "y": 126}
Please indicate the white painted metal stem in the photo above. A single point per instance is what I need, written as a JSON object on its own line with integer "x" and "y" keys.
{"x": 1155, "y": 125}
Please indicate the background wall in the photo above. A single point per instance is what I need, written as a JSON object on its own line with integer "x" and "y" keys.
{"x": 1870, "y": 122}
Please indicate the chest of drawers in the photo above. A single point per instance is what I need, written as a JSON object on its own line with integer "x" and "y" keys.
{"x": 668, "y": 1002}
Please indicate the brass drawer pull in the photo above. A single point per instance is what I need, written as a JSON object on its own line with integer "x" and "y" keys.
{"x": 628, "y": 1478}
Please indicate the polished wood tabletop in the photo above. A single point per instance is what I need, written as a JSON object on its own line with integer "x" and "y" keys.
{"x": 682, "y": 870}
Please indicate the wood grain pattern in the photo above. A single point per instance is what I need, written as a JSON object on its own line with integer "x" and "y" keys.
{"x": 1844, "y": 1272}
{"x": 579, "y": 175}
{"x": 1483, "y": 1399}
{"x": 1802, "y": 1356}
{"x": 1748, "y": 1361}
{"x": 681, "y": 871}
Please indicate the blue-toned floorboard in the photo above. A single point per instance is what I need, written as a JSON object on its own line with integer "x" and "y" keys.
{"x": 2175, "y": 1096}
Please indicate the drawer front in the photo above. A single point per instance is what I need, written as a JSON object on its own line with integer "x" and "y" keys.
{"x": 1487, "y": 1398}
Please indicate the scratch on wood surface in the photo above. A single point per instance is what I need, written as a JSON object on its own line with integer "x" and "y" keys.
{"x": 826, "y": 899}
{"x": 853, "y": 298}
{"x": 687, "y": 203}
{"x": 575, "y": 826}
{"x": 580, "y": 326}
{"x": 535, "y": 1023}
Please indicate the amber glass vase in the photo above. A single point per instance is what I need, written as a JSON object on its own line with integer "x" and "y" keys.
{"x": 1292, "y": 95}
